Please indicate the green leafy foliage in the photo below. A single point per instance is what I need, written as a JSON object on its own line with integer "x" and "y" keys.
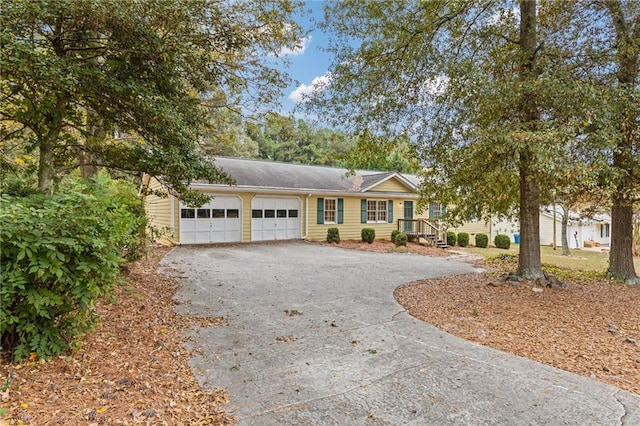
{"x": 60, "y": 253}
{"x": 368, "y": 235}
{"x": 394, "y": 234}
{"x": 333, "y": 235}
{"x": 482, "y": 240}
{"x": 76, "y": 72}
{"x": 463, "y": 239}
{"x": 401, "y": 239}
{"x": 502, "y": 241}
{"x": 451, "y": 238}
{"x": 506, "y": 102}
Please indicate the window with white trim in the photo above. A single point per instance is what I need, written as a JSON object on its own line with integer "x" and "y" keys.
{"x": 330, "y": 209}
{"x": 436, "y": 210}
{"x": 376, "y": 211}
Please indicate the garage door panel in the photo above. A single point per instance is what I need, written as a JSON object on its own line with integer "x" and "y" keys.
{"x": 217, "y": 221}
{"x": 275, "y": 218}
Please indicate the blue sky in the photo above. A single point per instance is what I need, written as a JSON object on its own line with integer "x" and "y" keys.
{"x": 310, "y": 62}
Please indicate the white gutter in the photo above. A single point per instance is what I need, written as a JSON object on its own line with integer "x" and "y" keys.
{"x": 306, "y": 214}
{"x": 272, "y": 190}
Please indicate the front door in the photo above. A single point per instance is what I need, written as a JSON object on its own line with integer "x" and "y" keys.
{"x": 408, "y": 214}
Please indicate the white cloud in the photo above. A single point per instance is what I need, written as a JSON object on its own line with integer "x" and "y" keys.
{"x": 304, "y": 91}
{"x": 303, "y": 43}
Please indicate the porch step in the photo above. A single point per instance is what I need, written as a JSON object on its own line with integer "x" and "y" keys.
{"x": 442, "y": 244}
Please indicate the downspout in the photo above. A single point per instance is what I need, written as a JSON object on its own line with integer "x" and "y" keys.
{"x": 173, "y": 218}
{"x": 306, "y": 217}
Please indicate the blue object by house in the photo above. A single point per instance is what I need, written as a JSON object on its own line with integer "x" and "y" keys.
{"x": 516, "y": 238}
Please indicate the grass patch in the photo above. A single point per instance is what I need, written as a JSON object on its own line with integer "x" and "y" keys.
{"x": 579, "y": 260}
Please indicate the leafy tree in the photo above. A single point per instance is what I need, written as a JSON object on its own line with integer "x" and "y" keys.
{"x": 495, "y": 93}
{"x": 624, "y": 51}
{"x": 467, "y": 81}
{"x": 74, "y": 72}
{"x": 379, "y": 153}
{"x": 226, "y": 136}
{"x": 602, "y": 53}
{"x": 291, "y": 140}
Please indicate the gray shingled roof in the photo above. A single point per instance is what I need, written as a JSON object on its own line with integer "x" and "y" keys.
{"x": 268, "y": 174}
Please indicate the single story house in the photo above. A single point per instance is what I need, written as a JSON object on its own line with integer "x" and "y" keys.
{"x": 281, "y": 201}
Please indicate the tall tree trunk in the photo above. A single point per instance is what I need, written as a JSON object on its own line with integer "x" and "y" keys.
{"x": 47, "y": 145}
{"x": 621, "y": 254}
{"x": 86, "y": 158}
{"x": 529, "y": 264}
{"x": 45, "y": 164}
{"x": 564, "y": 236}
{"x": 628, "y": 51}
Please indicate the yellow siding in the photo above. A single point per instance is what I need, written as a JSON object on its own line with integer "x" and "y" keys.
{"x": 391, "y": 185}
{"x": 352, "y": 227}
{"x": 159, "y": 214}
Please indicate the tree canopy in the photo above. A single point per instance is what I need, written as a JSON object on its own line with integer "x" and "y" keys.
{"x": 499, "y": 97}
{"x": 74, "y": 73}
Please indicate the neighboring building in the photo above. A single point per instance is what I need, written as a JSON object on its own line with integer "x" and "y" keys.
{"x": 581, "y": 231}
{"x": 279, "y": 201}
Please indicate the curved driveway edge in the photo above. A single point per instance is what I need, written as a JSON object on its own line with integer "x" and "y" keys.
{"x": 314, "y": 336}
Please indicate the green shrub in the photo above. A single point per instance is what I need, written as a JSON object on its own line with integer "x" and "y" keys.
{"x": 60, "y": 254}
{"x": 401, "y": 239}
{"x": 394, "y": 234}
{"x": 502, "y": 241}
{"x": 451, "y": 238}
{"x": 482, "y": 240}
{"x": 333, "y": 235}
{"x": 368, "y": 235}
{"x": 463, "y": 239}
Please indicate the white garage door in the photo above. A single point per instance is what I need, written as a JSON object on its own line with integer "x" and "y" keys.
{"x": 218, "y": 221}
{"x": 275, "y": 218}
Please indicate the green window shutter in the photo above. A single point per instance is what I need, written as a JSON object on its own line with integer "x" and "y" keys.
{"x": 431, "y": 209}
{"x": 390, "y": 211}
{"x": 443, "y": 210}
{"x": 363, "y": 211}
{"x": 340, "y": 210}
{"x": 320, "y": 211}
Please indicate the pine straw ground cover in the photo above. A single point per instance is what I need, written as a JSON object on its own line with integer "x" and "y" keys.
{"x": 131, "y": 370}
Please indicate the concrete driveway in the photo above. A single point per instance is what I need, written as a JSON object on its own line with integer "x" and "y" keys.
{"x": 314, "y": 336}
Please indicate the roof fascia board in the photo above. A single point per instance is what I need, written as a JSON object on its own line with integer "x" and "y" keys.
{"x": 270, "y": 190}
{"x": 396, "y": 175}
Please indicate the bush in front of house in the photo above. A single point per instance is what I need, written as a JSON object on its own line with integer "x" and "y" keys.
{"x": 394, "y": 234}
{"x": 463, "y": 239}
{"x": 482, "y": 240}
{"x": 401, "y": 239}
{"x": 368, "y": 235}
{"x": 333, "y": 235}
{"x": 502, "y": 241}
{"x": 451, "y": 238}
{"x": 60, "y": 254}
